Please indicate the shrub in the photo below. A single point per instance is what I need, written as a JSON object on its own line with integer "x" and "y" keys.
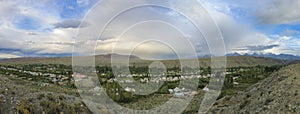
{"x": 40, "y": 96}
{"x": 61, "y": 97}
{"x": 1, "y": 105}
{"x": 50, "y": 97}
{"x": 25, "y": 107}
{"x": 246, "y": 102}
{"x": 268, "y": 100}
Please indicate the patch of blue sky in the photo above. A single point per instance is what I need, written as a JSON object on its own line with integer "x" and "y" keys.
{"x": 233, "y": 8}
{"x": 242, "y": 15}
{"x": 28, "y": 23}
{"x": 279, "y": 29}
{"x": 70, "y": 9}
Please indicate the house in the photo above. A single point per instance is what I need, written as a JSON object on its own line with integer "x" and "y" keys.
{"x": 54, "y": 80}
{"x": 194, "y": 93}
{"x": 78, "y": 75}
{"x": 65, "y": 78}
{"x": 110, "y": 81}
{"x": 144, "y": 80}
{"x": 179, "y": 95}
{"x": 177, "y": 90}
{"x": 12, "y": 75}
{"x": 205, "y": 88}
{"x": 41, "y": 84}
{"x": 235, "y": 83}
{"x": 171, "y": 91}
{"x": 187, "y": 93}
{"x": 52, "y": 76}
{"x": 129, "y": 89}
{"x": 128, "y": 81}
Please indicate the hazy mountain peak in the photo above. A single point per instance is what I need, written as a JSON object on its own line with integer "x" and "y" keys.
{"x": 269, "y": 55}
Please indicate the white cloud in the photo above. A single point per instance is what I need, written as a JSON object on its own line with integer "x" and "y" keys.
{"x": 290, "y": 32}
{"x": 59, "y": 39}
{"x": 83, "y": 2}
{"x": 236, "y": 34}
{"x": 285, "y": 37}
{"x": 5, "y": 56}
{"x": 160, "y": 30}
{"x": 32, "y": 42}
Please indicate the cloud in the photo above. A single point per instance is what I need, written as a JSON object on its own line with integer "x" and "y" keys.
{"x": 257, "y": 48}
{"x": 6, "y": 56}
{"x": 18, "y": 52}
{"x": 42, "y": 41}
{"x": 71, "y": 24}
{"x": 6, "y": 9}
{"x": 242, "y": 28}
{"x": 83, "y": 2}
{"x": 138, "y": 25}
{"x": 277, "y": 11}
{"x": 236, "y": 34}
{"x": 290, "y": 32}
{"x": 61, "y": 43}
{"x": 152, "y": 49}
{"x": 32, "y": 33}
{"x": 19, "y": 41}
{"x": 258, "y": 12}
{"x": 56, "y": 35}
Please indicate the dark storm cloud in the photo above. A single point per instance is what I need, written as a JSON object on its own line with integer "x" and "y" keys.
{"x": 71, "y": 24}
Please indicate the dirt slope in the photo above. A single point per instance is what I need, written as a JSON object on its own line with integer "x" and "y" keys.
{"x": 277, "y": 94}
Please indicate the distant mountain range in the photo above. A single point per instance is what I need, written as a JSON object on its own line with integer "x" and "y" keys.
{"x": 105, "y": 60}
{"x": 108, "y": 56}
{"x": 269, "y": 55}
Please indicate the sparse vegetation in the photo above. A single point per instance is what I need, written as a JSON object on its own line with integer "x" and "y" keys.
{"x": 274, "y": 94}
{"x": 244, "y": 103}
{"x": 51, "y": 104}
{"x": 1, "y": 104}
{"x": 43, "y": 95}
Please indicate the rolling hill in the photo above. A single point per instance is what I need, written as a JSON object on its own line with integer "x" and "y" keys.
{"x": 106, "y": 60}
{"x": 278, "y": 93}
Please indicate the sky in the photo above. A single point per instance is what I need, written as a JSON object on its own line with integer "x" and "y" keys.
{"x": 48, "y": 28}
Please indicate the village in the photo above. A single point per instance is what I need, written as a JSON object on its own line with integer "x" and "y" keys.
{"x": 44, "y": 76}
{"x": 39, "y": 78}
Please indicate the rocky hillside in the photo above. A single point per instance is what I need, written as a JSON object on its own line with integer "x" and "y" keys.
{"x": 278, "y": 93}
{"x": 18, "y": 96}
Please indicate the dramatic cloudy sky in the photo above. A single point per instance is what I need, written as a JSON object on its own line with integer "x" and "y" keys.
{"x": 31, "y": 28}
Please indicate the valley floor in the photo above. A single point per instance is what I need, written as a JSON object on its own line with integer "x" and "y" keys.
{"x": 277, "y": 92}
